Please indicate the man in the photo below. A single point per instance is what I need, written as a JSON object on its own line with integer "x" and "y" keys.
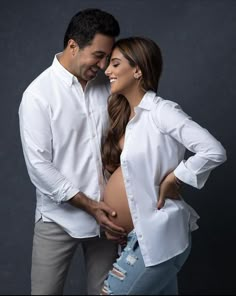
{"x": 62, "y": 121}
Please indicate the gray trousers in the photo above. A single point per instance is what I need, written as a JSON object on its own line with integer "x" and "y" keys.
{"x": 52, "y": 253}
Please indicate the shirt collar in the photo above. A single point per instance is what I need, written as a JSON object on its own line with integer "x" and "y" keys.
{"x": 62, "y": 72}
{"x": 147, "y": 101}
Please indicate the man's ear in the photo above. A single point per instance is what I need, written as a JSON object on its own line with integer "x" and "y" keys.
{"x": 72, "y": 46}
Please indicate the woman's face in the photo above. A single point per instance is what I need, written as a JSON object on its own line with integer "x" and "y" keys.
{"x": 121, "y": 74}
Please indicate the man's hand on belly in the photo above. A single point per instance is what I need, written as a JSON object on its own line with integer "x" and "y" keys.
{"x": 122, "y": 240}
{"x": 102, "y": 213}
{"x": 99, "y": 210}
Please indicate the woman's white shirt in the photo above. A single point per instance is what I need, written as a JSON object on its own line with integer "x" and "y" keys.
{"x": 156, "y": 140}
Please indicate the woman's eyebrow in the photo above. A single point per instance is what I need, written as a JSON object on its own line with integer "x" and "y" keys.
{"x": 114, "y": 59}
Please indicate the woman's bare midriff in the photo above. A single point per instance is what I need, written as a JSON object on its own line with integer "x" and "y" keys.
{"x": 115, "y": 197}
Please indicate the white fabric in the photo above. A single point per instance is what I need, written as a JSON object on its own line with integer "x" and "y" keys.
{"x": 61, "y": 129}
{"x": 155, "y": 143}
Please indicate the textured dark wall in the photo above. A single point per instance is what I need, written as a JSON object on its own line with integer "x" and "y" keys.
{"x": 197, "y": 38}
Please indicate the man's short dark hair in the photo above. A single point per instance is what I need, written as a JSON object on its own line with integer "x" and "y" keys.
{"x": 86, "y": 23}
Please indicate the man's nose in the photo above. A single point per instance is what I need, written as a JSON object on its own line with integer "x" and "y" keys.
{"x": 102, "y": 64}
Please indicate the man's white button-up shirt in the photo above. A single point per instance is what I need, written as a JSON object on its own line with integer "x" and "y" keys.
{"x": 61, "y": 130}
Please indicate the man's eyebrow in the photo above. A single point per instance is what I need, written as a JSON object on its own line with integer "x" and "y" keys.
{"x": 99, "y": 52}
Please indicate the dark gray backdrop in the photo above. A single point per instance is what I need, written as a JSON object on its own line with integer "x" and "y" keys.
{"x": 197, "y": 38}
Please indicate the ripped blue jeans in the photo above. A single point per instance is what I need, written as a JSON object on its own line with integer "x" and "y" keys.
{"x": 129, "y": 275}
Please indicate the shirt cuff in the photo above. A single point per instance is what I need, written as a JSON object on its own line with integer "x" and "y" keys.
{"x": 69, "y": 194}
{"x": 185, "y": 175}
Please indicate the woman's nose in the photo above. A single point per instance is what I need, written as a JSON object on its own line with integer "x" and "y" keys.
{"x": 108, "y": 72}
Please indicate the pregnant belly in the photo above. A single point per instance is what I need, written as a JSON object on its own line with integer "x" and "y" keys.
{"x": 115, "y": 197}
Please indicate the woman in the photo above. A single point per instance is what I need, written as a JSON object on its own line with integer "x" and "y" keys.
{"x": 144, "y": 155}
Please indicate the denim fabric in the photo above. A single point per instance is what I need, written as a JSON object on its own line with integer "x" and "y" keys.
{"x": 129, "y": 275}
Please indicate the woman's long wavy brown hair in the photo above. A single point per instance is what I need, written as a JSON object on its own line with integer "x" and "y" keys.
{"x": 145, "y": 54}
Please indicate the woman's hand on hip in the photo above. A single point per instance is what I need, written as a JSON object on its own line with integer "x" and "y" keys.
{"x": 169, "y": 188}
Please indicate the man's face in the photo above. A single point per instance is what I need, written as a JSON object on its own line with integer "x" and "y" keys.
{"x": 93, "y": 57}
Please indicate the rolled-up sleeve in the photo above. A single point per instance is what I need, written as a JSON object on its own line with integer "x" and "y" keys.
{"x": 36, "y": 137}
{"x": 208, "y": 152}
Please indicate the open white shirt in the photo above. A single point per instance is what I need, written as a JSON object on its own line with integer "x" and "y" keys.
{"x": 61, "y": 130}
{"x": 156, "y": 139}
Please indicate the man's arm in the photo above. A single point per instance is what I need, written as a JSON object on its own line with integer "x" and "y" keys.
{"x": 99, "y": 210}
{"x": 36, "y": 137}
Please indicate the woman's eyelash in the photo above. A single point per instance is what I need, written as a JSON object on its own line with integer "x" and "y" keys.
{"x": 115, "y": 65}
